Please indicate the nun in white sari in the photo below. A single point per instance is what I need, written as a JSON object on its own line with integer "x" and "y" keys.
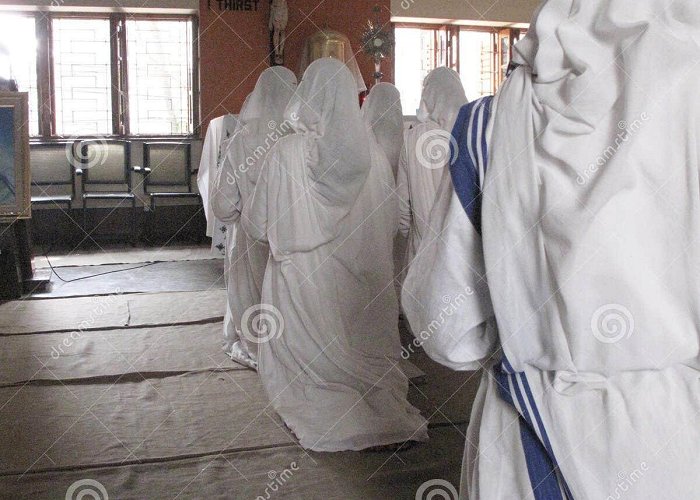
{"x": 383, "y": 114}
{"x": 591, "y": 245}
{"x": 330, "y": 352}
{"x": 426, "y": 153}
{"x": 260, "y": 126}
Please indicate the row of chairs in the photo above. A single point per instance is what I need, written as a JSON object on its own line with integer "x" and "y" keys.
{"x": 105, "y": 174}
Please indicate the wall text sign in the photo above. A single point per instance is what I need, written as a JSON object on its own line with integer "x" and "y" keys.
{"x": 234, "y": 5}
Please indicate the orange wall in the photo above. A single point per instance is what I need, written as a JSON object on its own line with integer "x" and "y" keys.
{"x": 234, "y": 46}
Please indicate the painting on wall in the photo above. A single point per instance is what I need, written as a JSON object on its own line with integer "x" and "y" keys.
{"x": 15, "y": 198}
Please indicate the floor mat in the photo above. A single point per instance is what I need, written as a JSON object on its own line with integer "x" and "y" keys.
{"x": 287, "y": 472}
{"x": 111, "y": 311}
{"x": 157, "y": 277}
{"x": 109, "y": 354}
{"x": 140, "y": 416}
{"x": 134, "y": 420}
{"x": 127, "y": 255}
{"x": 142, "y": 399}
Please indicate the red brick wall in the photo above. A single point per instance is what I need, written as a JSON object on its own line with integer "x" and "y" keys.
{"x": 234, "y": 45}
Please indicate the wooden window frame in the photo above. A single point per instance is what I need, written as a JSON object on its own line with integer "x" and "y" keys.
{"x": 194, "y": 77}
{"x": 46, "y": 107}
{"x": 452, "y": 50}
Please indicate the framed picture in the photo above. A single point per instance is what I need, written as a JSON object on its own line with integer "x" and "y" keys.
{"x": 15, "y": 177}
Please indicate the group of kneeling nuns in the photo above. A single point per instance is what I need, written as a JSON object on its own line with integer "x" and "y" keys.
{"x": 563, "y": 272}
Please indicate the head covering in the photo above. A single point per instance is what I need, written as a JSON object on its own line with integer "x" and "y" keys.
{"x": 327, "y": 160}
{"x": 260, "y": 126}
{"x": 326, "y": 111}
{"x": 591, "y": 218}
{"x": 383, "y": 114}
{"x": 238, "y": 116}
{"x": 263, "y": 111}
{"x": 329, "y": 43}
{"x": 269, "y": 98}
{"x": 443, "y": 95}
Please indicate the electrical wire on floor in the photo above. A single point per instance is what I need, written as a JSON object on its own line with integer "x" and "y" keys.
{"x": 53, "y": 270}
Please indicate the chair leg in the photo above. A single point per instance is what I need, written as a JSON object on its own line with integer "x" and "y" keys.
{"x": 134, "y": 233}
{"x": 154, "y": 232}
{"x": 84, "y": 214}
{"x": 146, "y": 221}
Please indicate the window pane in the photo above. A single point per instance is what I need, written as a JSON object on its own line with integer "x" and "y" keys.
{"x": 476, "y": 63}
{"x": 82, "y": 76}
{"x": 159, "y": 55}
{"x": 18, "y": 59}
{"x": 415, "y": 58}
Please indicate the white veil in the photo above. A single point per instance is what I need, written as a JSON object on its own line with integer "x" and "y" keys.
{"x": 382, "y": 112}
{"x": 443, "y": 95}
{"x": 260, "y": 124}
{"x": 325, "y": 109}
{"x": 592, "y": 200}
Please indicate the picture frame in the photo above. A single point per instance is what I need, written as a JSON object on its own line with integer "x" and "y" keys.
{"x": 15, "y": 174}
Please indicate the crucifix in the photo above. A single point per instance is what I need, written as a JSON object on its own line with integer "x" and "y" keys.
{"x": 279, "y": 16}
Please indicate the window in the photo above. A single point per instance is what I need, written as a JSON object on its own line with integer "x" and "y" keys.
{"x": 159, "y": 55}
{"x": 476, "y": 63}
{"x": 82, "y": 77}
{"x": 102, "y": 74}
{"x": 18, "y": 59}
{"x": 415, "y": 58}
{"x": 477, "y": 54}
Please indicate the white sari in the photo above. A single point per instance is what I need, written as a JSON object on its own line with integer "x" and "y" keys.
{"x": 329, "y": 359}
{"x": 426, "y": 153}
{"x": 591, "y": 224}
{"x": 383, "y": 115}
{"x": 261, "y": 125}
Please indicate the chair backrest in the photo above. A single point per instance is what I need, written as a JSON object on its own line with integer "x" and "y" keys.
{"x": 170, "y": 164}
{"x": 106, "y": 164}
{"x": 51, "y": 168}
